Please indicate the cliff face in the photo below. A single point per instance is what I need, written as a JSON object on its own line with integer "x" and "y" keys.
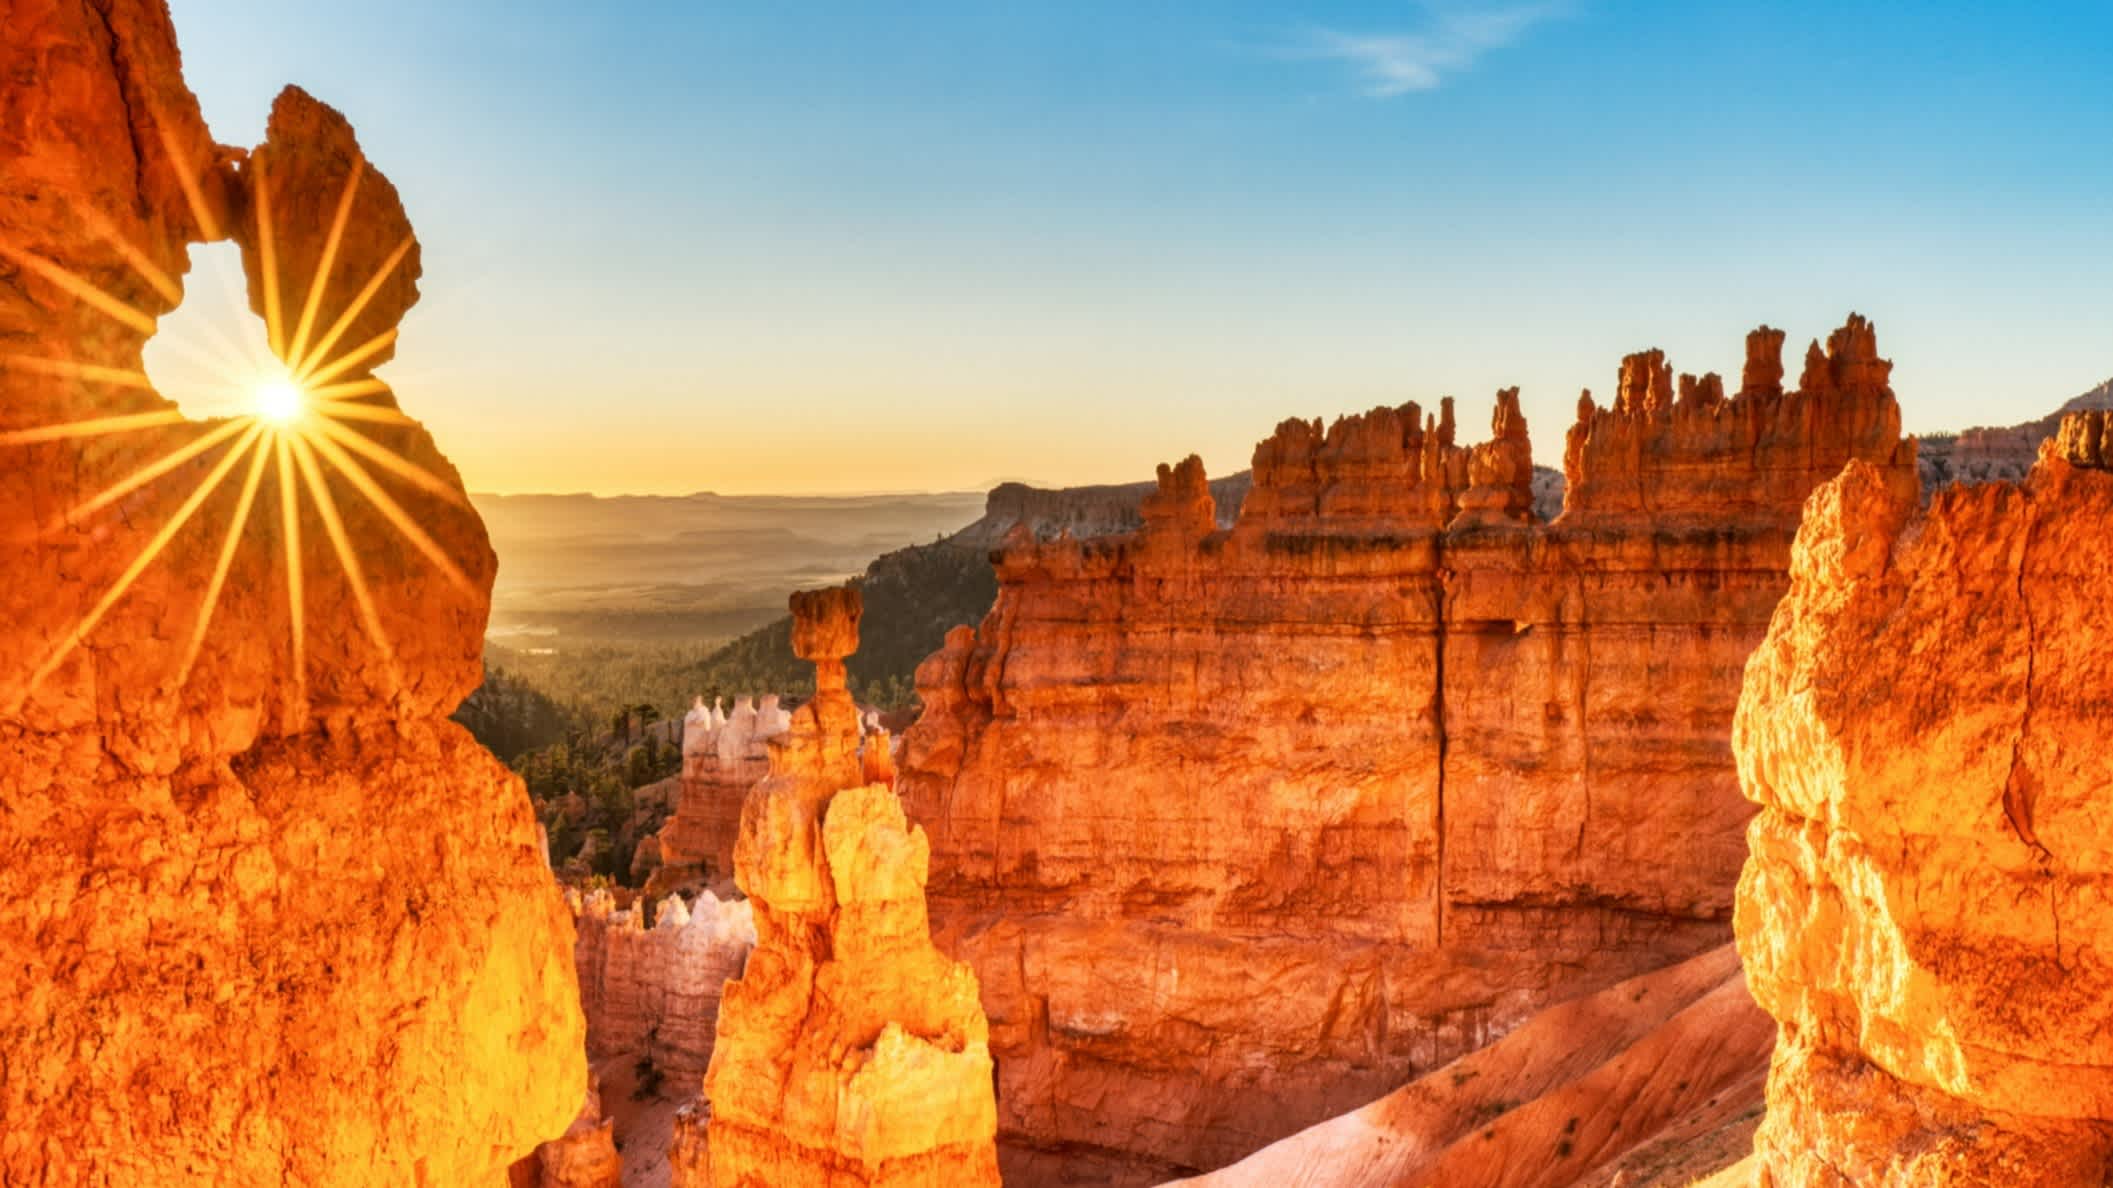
{"x": 274, "y": 918}
{"x": 1046, "y": 513}
{"x": 723, "y": 756}
{"x": 850, "y": 1051}
{"x": 1925, "y": 908}
{"x": 653, "y": 993}
{"x": 1989, "y": 455}
{"x": 1243, "y": 828}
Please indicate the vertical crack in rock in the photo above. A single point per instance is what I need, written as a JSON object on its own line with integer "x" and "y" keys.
{"x": 1374, "y": 553}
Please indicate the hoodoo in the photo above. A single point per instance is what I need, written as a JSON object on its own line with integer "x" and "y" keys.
{"x": 1925, "y": 909}
{"x": 1243, "y": 828}
{"x": 272, "y": 918}
{"x": 850, "y": 1051}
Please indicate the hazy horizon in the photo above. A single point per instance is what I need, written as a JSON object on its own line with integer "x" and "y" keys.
{"x": 833, "y": 250}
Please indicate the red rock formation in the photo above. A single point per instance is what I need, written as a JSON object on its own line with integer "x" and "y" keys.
{"x": 723, "y": 756}
{"x": 584, "y": 1156}
{"x": 273, "y": 919}
{"x": 850, "y": 1051}
{"x": 653, "y": 993}
{"x": 1924, "y": 910}
{"x": 1241, "y": 829}
{"x": 1578, "y": 1088}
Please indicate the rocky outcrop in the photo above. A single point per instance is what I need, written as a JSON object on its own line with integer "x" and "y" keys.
{"x": 723, "y": 756}
{"x": 850, "y": 1051}
{"x": 1585, "y": 1086}
{"x": 1925, "y": 911}
{"x": 1046, "y": 513}
{"x": 273, "y": 919}
{"x": 1242, "y": 828}
{"x": 653, "y": 993}
{"x": 585, "y": 1156}
{"x": 1993, "y": 455}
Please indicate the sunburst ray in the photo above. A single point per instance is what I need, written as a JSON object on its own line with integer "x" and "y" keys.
{"x": 352, "y": 411}
{"x": 146, "y": 557}
{"x": 96, "y": 427}
{"x": 81, "y": 289}
{"x": 325, "y": 265}
{"x": 355, "y": 574}
{"x": 260, "y": 456}
{"x": 290, "y": 538}
{"x": 395, "y": 463}
{"x": 351, "y": 314}
{"x": 186, "y": 175}
{"x": 268, "y": 260}
{"x": 347, "y": 391}
{"x": 351, "y": 359}
{"x": 148, "y": 473}
{"x": 357, "y": 475}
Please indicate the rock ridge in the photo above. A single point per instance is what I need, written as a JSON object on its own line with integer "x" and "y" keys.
{"x": 1388, "y": 752}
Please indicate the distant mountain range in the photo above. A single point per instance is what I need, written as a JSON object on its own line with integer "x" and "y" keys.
{"x": 698, "y": 568}
{"x": 693, "y": 567}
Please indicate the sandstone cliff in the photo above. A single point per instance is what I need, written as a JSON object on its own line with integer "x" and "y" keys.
{"x": 850, "y": 1051}
{"x": 1242, "y": 828}
{"x": 723, "y": 756}
{"x": 1925, "y": 908}
{"x": 653, "y": 994}
{"x": 2003, "y": 454}
{"x": 273, "y": 919}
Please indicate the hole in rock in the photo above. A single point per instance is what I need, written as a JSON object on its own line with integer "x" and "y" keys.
{"x": 211, "y": 355}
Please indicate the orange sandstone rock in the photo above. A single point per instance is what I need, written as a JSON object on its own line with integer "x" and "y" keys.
{"x": 273, "y": 919}
{"x": 1243, "y": 828}
{"x": 585, "y": 1156}
{"x": 850, "y": 1051}
{"x": 1576, "y": 1089}
{"x": 1925, "y": 908}
{"x": 653, "y": 993}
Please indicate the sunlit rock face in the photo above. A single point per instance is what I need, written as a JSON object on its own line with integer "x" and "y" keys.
{"x": 1647, "y": 1073}
{"x": 654, "y": 992}
{"x": 850, "y": 1051}
{"x": 723, "y": 756}
{"x": 1243, "y": 828}
{"x": 272, "y": 918}
{"x": 1926, "y": 909}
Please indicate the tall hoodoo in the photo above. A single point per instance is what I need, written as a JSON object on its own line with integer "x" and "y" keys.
{"x": 273, "y": 918}
{"x": 1244, "y": 828}
{"x": 850, "y": 1051}
{"x": 1924, "y": 911}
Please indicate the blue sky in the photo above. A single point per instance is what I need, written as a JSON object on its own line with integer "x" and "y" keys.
{"x": 674, "y": 247}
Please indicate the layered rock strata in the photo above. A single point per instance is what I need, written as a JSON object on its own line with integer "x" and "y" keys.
{"x": 273, "y": 919}
{"x": 1242, "y": 828}
{"x": 1928, "y": 909}
{"x": 653, "y": 993}
{"x": 723, "y": 756}
{"x": 850, "y": 1051}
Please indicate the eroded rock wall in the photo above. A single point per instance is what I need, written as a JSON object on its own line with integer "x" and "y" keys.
{"x": 850, "y": 1051}
{"x": 723, "y": 756}
{"x": 273, "y": 918}
{"x": 1926, "y": 909}
{"x": 1243, "y": 828}
{"x": 653, "y": 993}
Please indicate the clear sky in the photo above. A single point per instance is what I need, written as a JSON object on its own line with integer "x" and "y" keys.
{"x": 827, "y": 248}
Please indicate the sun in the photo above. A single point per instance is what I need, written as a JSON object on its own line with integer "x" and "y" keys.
{"x": 279, "y": 400}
